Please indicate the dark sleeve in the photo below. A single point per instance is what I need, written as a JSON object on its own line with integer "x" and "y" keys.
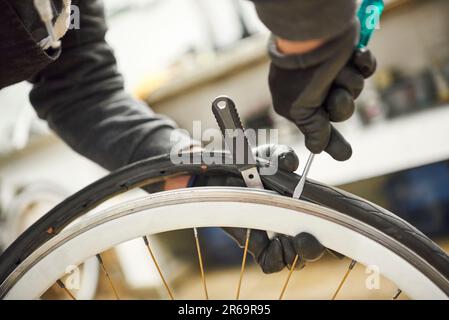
{"x": 306, "y": 19}
{"x": 82, "y": 97}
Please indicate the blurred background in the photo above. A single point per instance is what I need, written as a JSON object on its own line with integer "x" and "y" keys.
{"x": 178, "y": 55}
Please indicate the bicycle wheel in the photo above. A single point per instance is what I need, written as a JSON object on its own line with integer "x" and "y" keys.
{"x": 342, "y": 222}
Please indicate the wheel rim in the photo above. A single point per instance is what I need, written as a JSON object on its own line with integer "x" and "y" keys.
{"x": 226, "y": 207}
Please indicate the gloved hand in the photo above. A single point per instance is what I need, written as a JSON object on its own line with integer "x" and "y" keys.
{"x": 272, "y": 255}
{"x": 319, "y": 87}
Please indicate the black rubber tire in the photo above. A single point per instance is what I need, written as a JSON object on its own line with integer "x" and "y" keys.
{"x": 156, "y": 169}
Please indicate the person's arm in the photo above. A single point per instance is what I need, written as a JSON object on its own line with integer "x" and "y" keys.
{"x": 82, "y": 97}
{"x": 301, "y": 26}
{"x": 302, "y": 20}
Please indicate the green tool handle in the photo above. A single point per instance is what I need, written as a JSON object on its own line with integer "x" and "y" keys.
{"x": 369, "y": 15}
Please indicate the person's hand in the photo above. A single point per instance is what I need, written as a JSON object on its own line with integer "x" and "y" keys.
{"x": 272, "y": 255}
{"x": 315, "y": 88}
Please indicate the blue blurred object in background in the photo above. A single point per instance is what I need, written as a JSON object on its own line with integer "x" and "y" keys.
{"x": 219, "y": 249}
{"x": 421, "y": 196}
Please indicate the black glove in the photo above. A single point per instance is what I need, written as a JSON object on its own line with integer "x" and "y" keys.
{"x": 272, "y": 255}
{"x": 320, "y": 87}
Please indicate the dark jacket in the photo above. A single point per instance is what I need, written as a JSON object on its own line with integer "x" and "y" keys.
{"x": 81, "y": 94}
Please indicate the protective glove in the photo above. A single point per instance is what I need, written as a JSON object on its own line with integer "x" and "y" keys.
{"x": 275, "y": 254}
{"x": 317, "y": 88}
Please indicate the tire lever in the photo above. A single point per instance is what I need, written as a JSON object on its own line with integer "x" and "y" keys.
{"x": 233, "y": 132}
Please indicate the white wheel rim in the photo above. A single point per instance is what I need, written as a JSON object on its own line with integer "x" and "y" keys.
{"x": 212, "y": 207}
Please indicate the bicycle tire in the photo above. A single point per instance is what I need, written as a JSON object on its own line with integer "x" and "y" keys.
{"x": 156, "y": 169}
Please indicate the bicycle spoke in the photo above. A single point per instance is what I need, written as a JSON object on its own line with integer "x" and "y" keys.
{"x": 147, "y": 243}
{"x": 111, "y": 284}
{"x": 67, "y": 291}
{"x": 242, "y": 270}
{"x": 200, "y": 261}
{"x": 284, "y": 288}
{"x": 397, "y": 294}
{"x": 351, "y": 266}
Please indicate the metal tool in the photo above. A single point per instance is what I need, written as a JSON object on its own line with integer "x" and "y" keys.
{"x": 300, "y": 186}
{"x": 236, "y": 140}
